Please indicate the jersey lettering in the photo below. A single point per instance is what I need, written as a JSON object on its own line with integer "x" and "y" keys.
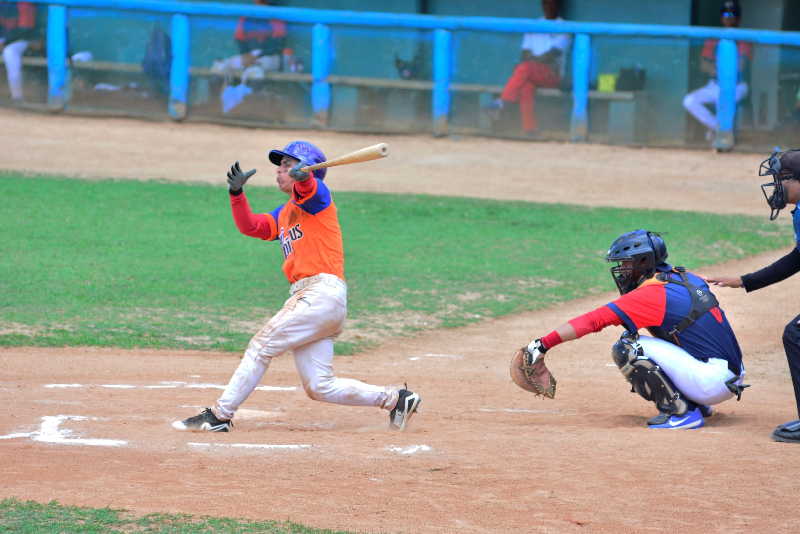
{"x": 287, "y": 238}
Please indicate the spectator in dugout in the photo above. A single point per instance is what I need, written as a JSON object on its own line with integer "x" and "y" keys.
{"x": 542, "y": 64}
{"x": 18, "y": 33}
{"x": 260, "y": 42}
{"x": 696, "y": 102}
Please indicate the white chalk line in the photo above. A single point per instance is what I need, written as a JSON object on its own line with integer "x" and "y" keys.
{"x": 410, "y": 449}
{"x": 165, "y": 385}
{"x": 49, "y": 432}
{"x": 440, "y": 356}
{"x": 269, "y": 446}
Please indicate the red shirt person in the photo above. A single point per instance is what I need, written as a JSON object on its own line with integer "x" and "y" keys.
{"x": 17, "y": 34}
{"x": 541, "y": 65}
{"x": 697, "y": 101}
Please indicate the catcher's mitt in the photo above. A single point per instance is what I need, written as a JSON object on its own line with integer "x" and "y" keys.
{"x": 529, "y": 372}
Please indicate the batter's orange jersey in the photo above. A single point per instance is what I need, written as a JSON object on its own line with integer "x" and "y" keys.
{"x": 307, "y": 227}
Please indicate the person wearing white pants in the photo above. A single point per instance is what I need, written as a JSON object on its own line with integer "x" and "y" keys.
{"x": 307, "y": 228}
{"x": 697, "y": 101}
{"x": 691, "y": 361}
{"x": 12, "y": 57}
{"x": 17, "y": 30}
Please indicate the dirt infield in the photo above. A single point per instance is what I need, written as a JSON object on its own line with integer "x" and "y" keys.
{"x": 91, "y": 427}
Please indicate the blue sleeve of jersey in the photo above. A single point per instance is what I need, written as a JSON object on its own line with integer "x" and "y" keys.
{"x": 320, "y": 200}
{"x": 626, "y": 321}
{"x": 796, "y": 224}
{"x": 275, "y": 214}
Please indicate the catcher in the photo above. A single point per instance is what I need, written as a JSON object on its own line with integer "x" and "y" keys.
{"x": 690, "y": 361}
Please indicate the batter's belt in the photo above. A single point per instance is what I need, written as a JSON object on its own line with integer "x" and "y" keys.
{"x": 305, "y": 282}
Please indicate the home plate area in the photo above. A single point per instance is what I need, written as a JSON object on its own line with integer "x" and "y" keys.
{"x": 79, "y": 430}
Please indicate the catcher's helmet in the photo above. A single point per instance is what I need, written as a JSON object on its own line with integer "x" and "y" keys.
{"x": 304, "y": 151}
{"x": 781, "y": 166}
{"x": 639, "y": 254}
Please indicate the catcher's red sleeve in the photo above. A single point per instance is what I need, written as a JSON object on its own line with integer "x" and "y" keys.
{"x": 594, "y": 321}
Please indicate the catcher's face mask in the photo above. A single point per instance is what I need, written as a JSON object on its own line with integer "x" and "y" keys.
{"x": 773, "y": 191}
{"x": 628, "y": 274}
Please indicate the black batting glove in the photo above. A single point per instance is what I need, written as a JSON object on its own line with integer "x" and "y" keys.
{"x": 237, "y": 178}
{"x": 298, "y": 175}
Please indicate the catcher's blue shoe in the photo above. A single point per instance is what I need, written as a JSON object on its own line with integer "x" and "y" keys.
{"x": 691, "y": 419}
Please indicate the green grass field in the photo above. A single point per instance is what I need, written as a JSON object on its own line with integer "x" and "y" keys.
{"x": 161, "y": 265}
{"x": 28, "y": 517}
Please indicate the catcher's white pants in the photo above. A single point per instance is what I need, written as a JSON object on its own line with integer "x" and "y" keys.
{"x": 695, "y": 102}
{"x": 12, "y": 56}
{"x": 307, "y": 324}
{"x": 701, "y": 382}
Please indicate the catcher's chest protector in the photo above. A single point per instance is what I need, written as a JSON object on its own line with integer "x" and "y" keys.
{"x": 702, "y": 302}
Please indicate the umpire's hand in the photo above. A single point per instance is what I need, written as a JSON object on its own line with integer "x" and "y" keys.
{"x": 237, "y": 178}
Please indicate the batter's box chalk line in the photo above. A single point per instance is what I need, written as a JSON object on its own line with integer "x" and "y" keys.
{"x": 49, "y": 432}
{"x": 438, "y": 356}
{"x": 164, "y": 385}
{"x": 409, "y": 449}
{"x": 269, "y": 446}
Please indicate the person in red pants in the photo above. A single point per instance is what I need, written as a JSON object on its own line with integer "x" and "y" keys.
{"x": 541, "y": 65}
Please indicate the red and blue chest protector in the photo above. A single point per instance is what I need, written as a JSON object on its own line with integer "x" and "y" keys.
{"x": 660, "y": 304}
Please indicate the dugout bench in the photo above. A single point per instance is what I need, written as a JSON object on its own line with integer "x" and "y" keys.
{"x": 398, "y": 105}
{"x": 357, "y": 103}
{"x": 279, "y": 98}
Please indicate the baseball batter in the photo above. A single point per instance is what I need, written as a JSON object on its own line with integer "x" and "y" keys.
{"x": 307, "y": 228}
{"x": 692, "y": 358}
{"x": 784, "y": 168}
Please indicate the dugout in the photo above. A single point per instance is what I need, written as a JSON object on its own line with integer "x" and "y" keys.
{"x": 367, "y": 94}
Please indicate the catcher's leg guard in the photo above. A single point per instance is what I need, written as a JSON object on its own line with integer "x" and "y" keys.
{"x": 647, "y": 378}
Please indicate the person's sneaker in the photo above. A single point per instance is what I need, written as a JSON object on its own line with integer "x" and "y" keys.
{"x": 407, "y": 404}
{"x": 705, "y": 410}
{"x": 690, "y": 419}
{"x": 788, "y": 432}
{"x": 206, "y": 421}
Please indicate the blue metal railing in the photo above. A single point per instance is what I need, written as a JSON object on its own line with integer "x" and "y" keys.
{"x": 443, "y": 26}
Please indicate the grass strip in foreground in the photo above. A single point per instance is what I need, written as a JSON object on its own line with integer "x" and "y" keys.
{"x": 35, "y": 518}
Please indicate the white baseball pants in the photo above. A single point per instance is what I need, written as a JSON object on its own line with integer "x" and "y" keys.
{"x": 307, "y": 324}
{"x": 695, "y": 102}
{"x": 701, "y": 382}
{"x": 12, "y": 56}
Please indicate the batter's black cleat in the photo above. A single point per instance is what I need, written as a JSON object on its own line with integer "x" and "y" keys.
{"x": 788, "y": 432}
{"x": 407, "y": 404}
{"x": 206, "y": 421}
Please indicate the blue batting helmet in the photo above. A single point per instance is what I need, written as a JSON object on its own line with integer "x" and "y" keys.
{"x": 304, "y": 151}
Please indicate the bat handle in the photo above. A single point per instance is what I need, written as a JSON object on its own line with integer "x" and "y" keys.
{"x": 313, "y": 167}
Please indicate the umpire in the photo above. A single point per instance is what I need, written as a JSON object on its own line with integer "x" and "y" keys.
{"x": 784, "y": 168}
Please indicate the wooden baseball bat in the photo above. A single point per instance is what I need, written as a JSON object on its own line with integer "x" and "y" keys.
{"x": 381, "y": 150}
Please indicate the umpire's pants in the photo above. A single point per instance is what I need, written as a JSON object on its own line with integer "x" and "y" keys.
{"x": 791, "y": 343}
